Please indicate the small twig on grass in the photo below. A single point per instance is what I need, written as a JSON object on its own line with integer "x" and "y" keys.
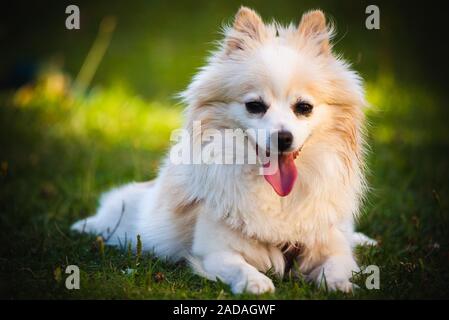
{"x": 138, "y": 249}
{"x": 62, "y": 233}
{"x": 117, "y": 224}
{"x": 30, "y": 271}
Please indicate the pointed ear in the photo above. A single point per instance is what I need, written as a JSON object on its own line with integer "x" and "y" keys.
{"x": 248, "y": 26}
{"x": 313, "y": 26}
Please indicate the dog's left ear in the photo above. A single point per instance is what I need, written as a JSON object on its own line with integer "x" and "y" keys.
{"x": 248, "y": 28}
{"x": 313, "y": 27}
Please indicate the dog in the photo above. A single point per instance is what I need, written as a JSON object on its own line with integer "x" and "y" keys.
{"x": 232, "y": 222}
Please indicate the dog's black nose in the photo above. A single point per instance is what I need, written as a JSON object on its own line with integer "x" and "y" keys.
{"x": 285, "y": 140}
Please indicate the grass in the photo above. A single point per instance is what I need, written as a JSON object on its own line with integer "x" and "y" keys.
{"x": 66, "y": 150}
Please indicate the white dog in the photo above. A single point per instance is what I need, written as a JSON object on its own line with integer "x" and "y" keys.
{"x": 231, "y": 222}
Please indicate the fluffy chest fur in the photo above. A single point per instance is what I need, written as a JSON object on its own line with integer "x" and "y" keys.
{"x": 240, "y": 197}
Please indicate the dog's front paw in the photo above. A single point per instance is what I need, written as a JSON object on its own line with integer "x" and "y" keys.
{"x": 254, "y": 283}
{"x": 335, "y": 273}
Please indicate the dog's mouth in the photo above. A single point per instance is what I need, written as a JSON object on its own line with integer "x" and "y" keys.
{"x": 280, "y": 171}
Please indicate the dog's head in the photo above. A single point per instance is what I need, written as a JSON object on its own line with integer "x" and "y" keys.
{"x": 284, "y": 80}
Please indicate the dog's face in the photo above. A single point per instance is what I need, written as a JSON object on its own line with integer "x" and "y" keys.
{"x": 283, "y": 80}
{"x": 276, "y": 94}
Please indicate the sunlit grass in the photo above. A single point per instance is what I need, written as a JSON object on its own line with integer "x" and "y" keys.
{"x": 394, "y": 103}
{"x": 112, "y": 115}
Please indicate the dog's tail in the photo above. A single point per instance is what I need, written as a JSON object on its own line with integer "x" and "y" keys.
{"x": 117, "y": 215}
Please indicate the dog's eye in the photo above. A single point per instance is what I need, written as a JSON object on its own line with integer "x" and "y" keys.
{"x": 256, "y": 107}
{"x": 302, "y": 108}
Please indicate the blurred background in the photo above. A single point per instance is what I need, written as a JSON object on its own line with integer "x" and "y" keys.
{"x": 83, "y": 110}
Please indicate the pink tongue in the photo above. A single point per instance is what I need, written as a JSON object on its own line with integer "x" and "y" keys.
{"x": 285, "y": 175}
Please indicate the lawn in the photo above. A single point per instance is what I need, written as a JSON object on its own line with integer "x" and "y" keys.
{"x": 60, "y": 149}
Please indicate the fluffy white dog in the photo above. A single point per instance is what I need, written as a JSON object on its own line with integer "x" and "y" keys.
{"x": 230, "y": 221}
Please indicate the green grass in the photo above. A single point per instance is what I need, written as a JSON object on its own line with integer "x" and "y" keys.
{"x": 59, "y": 154}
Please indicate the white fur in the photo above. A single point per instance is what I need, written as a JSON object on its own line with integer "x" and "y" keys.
{"x": 226, "y": 219}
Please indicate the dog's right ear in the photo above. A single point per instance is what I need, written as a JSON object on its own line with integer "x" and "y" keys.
{"x": 248, "y": 28}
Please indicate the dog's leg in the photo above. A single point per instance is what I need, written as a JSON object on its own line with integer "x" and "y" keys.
{"x": 231, "y": 268}
{"x": 331, "y": 263}
{"x": 217, "y": 248}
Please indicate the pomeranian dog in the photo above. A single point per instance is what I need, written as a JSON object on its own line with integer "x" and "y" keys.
{"x": 230, "y": 221}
